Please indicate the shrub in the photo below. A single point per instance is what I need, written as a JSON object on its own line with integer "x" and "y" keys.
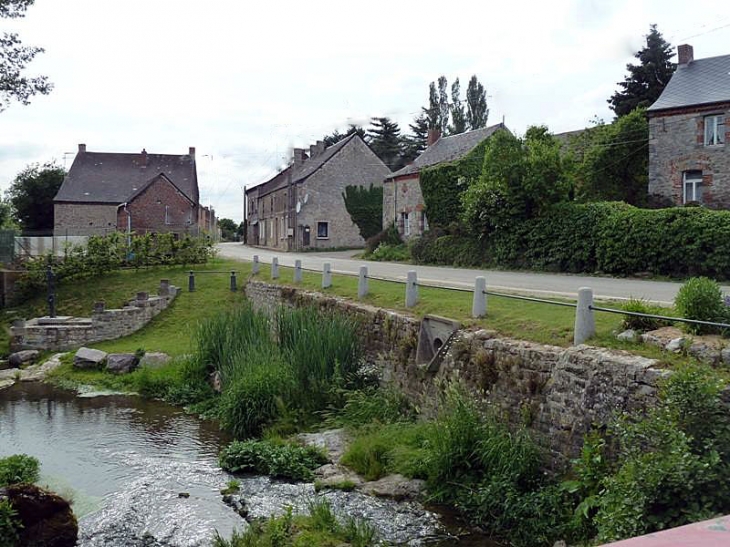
{"x": 389, "y": 236}
{"x": 19, "y": 468}
{"x": 362, "y": 407}
{"x": 701, "y": 299}
{"x": 287, "y": 460}
{"x": 9, "y": 524}
{"x": 456, "y": 250}
{"x": 643, "y": 324}
{"x": 391, "y": 253}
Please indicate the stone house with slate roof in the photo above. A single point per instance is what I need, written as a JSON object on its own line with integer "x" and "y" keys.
{"x": 402, "y": 198}
{"x": 140, "y": 193}
{"x": 302, "y": 206}
{"x": 689, "y": 134}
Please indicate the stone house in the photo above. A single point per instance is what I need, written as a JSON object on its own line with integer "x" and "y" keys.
{"x": 689, "y": 158}
{"x": 402, "y": 198}
{"x": 302, "y": 206}
{"x": 140, "y": 193}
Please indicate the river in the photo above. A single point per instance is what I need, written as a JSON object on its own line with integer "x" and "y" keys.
{"x": 144, "y": 473}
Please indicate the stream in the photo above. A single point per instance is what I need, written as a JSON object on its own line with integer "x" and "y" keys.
{"x": 144, "y": 473}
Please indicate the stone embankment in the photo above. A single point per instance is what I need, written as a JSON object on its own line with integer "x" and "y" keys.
{"x": 558, "y": 393}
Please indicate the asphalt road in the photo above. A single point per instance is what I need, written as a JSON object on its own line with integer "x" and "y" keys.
{"x": 537, "y": 284}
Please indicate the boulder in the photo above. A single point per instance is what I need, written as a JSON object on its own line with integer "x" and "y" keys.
{"x": 47, "y": 518}
{"x": 4, "y": 384}
{"x": 675, "y": 345}
{"x": 216, "y": 381}
{"x": 629, "y": 335}
{"x": 332, "y": 474}
{"x": 705, "y": 352}
{"x": 89, "y": 358}
{"x": 396, "y": 487}
{"x": 333, "y": 441}
{"x": 154, "y": 359}
{"x": 19, "y": 358}
{"x": 121, "y": 363}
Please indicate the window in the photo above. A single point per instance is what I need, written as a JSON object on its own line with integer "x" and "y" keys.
{"x": 167, "y": 214}
{"x": 692, "y": 186}
{"x": 406, "y": 224}
{"x": 714, "y": 130}
{"x": 323, "y": 230}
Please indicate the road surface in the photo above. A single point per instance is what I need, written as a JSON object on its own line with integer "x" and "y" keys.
{"x": 537, "y": 284}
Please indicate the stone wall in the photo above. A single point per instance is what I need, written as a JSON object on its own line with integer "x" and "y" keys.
{"x": 84, "y": 219}
{"x": 558, "y": 393}
{"x": 403, "y": 195}
{"x": 65, "y": 333}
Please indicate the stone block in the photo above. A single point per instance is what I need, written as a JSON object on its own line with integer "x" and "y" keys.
{"x": 121, "y": 363}
{"x": 154, "y": 359}
{"x": 89, "y": 358}
{"x": 19, "y": 358}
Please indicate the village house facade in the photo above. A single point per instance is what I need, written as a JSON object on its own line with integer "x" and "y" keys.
{"x": 402, "y": 197}
{"x": 302, "y": 207}
{"x": 136, "y": 193}
{"x": 689, "y": 158}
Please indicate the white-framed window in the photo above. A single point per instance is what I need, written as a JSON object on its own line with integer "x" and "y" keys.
{"x": 405, "y": 221}
{"x": 323, "y": 229}
{"x": 692, "y": 182}
{"x": 714, "y": 130}
{"x": 167, "y": 214}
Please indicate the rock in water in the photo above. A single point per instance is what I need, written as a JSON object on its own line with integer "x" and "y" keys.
{"x": 121, "y": 363}
{"x": 19, "y": 358}
{"x": 46, "y": 517}
{"x": 89, "y": 358}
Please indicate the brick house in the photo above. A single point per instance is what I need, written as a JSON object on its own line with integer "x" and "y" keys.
{"x": 402, "y": 197}
{"x": 689, "y": 158}
{"x": 302, "y": 206}
{"x": 140, "y": 193}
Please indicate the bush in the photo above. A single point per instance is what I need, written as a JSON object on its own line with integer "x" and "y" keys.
{"x": 388, "y": 236}
{"x": 455, "y": 250}
{"x": 391, "y": 253}
{"x": 701, "y": 299}
{"x": 362, "y": 407}
{"x": 9, "y": 524}
{"x": 286, "y": 460}
{"x": 642, "y": 324}
{"x": 19, "y": 468}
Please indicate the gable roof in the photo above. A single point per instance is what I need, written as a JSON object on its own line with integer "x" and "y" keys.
{"x": 110, "y": 177}
{"x": 704, "y": 81}
{"x": 152, "y": 181}
{"x": 447, "y": 149}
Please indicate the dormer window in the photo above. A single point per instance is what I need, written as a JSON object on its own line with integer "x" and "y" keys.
{"x": 714, "y": 130}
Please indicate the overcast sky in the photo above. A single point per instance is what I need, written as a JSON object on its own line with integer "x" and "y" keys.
{"x": 244, "y": 82}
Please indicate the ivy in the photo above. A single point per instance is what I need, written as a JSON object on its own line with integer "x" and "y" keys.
{"x": 365, "y": 206}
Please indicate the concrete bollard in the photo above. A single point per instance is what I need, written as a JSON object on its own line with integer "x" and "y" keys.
{"x": 411, "y": 289}
{"x": 164, "y": 289}
{"x": 191, "y": 281}
{"x": 233, "y": 282}
{"x": 362, "y": 283}
{"x": 99, "y": 306}
{"x": 326, "y": 275}
{"x": 479, "y": 304}
{"x": 585, "y": 324}
{"x": 274, "y": 268}
{"x": 297, "y": 271}
{"x": 256, "y": 265}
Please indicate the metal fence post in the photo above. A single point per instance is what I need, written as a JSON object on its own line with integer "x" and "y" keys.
{"x": 479, "y": 304}
{"x": 256, "y": 265}
{"x": 297, "y": 271}
{"x": 362, "y": 283}
{"x": 585, "y": 324}
{"x": 275, "y": 268}
{"x": 191, "y": 281}
{"x": 411, "y": 289}
{"x": 326, "y": 275}
{"x": 233, "y": 281}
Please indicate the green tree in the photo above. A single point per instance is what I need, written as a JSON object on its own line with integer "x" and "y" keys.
{"x": 477, "y": 112}
{"x": 444, "y": 107}
{"x": 615, "y": 163}
{"x": 365, "y": 206}
{"x": 458, "y": 115}
{"x": 228, "y": 229}
{"x": 415, "y": 143}
{"x": 385, "y": 140}
{"x": 645, "y": 81}
{"x": 31, "y": 195}
{"x": 336, "y": 136}
{"x": 14, "y": 58}
{"x": 432, "y": 112}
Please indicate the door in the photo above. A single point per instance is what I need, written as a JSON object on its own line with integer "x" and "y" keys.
{"x": 306, "y": 236}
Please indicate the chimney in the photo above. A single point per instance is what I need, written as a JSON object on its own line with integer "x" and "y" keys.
{"x": 299, "y": 156}
{"x": 316, "y": 149}
{"x": 82, "y": 148}
{"x": 433, "y": 136}
{"x": 143, "y": 160}
{"x": 191, "y": 152}
{"x": 686, "y": 54}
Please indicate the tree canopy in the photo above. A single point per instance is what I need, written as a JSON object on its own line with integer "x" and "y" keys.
{"x": 228, "y": 229}
{"x": 14, "y": 59}
{"x": 386, "y": 141}
{"x": 31, "y": 195}
{"x": 646, "y": 80}
{"x": 458, "y": 115}
{"x": 477, "y": 112}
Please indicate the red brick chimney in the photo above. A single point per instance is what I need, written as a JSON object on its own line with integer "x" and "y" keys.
{"x": 143, "y": 158}
{"x": 433, "y": 136}
{"x": 82, "y": 148}
{"x": 685, "y": 54}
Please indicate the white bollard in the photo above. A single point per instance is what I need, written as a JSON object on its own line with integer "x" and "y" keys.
{"x": 411, "y": 289}
{"x": 256, "y": 265}
{"x": 274, "y": 268}
{"x": 479, "y": 304}
{"x": 326, "y": 275}
{"x": 297, "y": 271}
{"x": 362, "y": 284}
{"x": 585, "y": 324}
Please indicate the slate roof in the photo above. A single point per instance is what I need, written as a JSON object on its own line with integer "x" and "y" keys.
{"x": 104, "y": 177}
{"x": 704, "y": 81}
{"x": 447, "y": 149}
